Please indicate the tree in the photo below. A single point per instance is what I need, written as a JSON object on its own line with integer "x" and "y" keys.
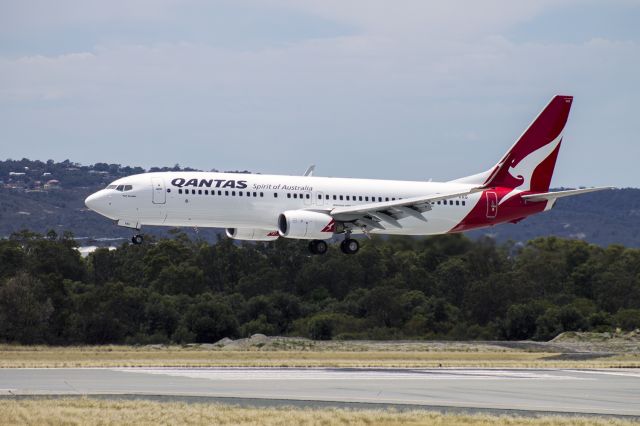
{"x": 24, "y": 310}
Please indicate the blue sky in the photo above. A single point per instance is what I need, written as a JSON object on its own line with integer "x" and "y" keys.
{"x": 368, "y": 88}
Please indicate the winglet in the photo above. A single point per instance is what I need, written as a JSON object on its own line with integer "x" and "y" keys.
{"x": 310, "y": 170}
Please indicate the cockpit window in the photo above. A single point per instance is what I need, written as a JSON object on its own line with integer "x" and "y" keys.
{"x": 111, "y": 186}
{"x": 120, "y": 188}
{"x": 128, "y": 187}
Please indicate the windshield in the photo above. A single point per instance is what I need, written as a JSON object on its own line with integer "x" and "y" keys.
{"x": 121, "y": 188}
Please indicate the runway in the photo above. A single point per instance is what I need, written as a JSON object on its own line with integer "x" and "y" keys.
{"x": 608, "y": 392}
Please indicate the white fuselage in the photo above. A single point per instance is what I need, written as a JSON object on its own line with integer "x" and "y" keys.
{"x": 233, "y": 200}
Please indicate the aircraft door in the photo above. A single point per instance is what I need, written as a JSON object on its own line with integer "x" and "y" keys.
{"x": 319, "y": 197}
{"x": 159, "y": 193}
{"x": 308, "y": 198}
{"x": 492, "y": 205}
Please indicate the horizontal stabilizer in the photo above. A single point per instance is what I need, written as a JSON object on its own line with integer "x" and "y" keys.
{"x": 551, "y": 196}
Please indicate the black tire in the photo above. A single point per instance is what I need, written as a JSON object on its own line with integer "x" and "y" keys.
{"x": 318, "y": 247}
{"x": 321, "y": 247}
{"x": 350, "y": 246}
{"x": 137, "y": 239}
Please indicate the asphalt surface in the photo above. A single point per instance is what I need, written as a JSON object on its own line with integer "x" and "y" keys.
{"x": 601, "y": 392}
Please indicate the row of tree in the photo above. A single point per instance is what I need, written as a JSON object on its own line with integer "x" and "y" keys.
{"x": 182, "y": 290}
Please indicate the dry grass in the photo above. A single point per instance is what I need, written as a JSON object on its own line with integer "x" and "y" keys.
{"x": 87, "y": 411}
{"x": 175, "y": 356}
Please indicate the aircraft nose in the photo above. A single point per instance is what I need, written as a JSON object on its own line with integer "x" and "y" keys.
{"x": 93, "y": 201}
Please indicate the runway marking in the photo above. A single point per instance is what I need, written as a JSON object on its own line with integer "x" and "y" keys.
{"x": 236, "y": 374}
{"x": 623, "y": 373}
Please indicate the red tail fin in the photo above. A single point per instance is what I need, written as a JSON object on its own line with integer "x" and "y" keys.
{"x": 530, "y": 162}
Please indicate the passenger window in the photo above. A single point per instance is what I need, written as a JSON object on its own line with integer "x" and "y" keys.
{"x": 240, "y": 193}
{"x": 275, "y": 195}
{"x": 261, "y": 194}
{"x": 199, "y": 191}
{"x": 334, "y": 197}
{"x": 341, "y": 198}
{"x": 193, "y": 191}
{"x": 366, "y": 198}
{"x": 464, "y": 203}
{"x": 360, "y": 198}
{"x": 219, "y": 192}
{"x": 457, "y": 203}
{"x": 347, "y": 198}
{"x": 288, "y": 195}
{"x": 179, "y": 191}
{"x": 233, "y": 193}
{"x": 319, "y": 197}
{"x": 379, "y": 198}
{"x": 206, "y": 192}
{"x": 393, "y": 199}
{"x": 226, "y": 193}
{"x": 295, "y": 195}
{"x": 450, "y": 202}
{"x": 326, "y": 196}
{"x": 308, "y": 196}
{"x": 386, "y": 199}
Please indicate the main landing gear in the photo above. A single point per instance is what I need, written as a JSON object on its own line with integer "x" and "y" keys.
{"x": 318, "y": 247}
{"x": 349, "y": 246}
{"x": 137, "y": 239}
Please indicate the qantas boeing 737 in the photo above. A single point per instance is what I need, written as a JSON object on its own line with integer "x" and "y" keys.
{"x": 266, "y": 207}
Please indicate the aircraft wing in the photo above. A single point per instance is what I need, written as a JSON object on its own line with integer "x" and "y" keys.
{"x": 552, "y": 196}
{"x": 372, "y": 214}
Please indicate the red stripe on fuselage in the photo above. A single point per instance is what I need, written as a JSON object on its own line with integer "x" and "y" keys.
{"x": 513, "y": 208}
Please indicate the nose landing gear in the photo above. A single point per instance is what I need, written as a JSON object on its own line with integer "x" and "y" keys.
{"x": 137, "y": 239}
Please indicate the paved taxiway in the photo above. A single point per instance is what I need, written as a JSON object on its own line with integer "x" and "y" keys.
{"x": 611, "y": 392}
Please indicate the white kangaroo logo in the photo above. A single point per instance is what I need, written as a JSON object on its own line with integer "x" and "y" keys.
{"x": 524, "y": 169}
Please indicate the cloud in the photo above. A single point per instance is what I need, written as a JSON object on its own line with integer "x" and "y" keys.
{"x": 414, "y": 78}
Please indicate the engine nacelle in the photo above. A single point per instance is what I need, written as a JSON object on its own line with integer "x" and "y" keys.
{"x": 306, "y": 225}
{"x": 250, "y": 234}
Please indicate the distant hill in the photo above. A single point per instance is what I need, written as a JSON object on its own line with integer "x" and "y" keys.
{"x": 30, "y": 200}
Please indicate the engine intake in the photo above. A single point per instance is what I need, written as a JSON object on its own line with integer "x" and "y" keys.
{"x": 305, "y": 224}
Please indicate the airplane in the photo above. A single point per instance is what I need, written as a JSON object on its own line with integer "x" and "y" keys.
{"x": 257, "y": 207}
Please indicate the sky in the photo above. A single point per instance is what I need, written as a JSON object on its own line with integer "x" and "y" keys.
{"x": 411, "y": 90}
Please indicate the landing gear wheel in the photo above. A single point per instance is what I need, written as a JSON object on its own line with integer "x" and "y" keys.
{"x": 137, "y": 239}
{"x": 349, "y": 246}
{"x": 318, "y": 247}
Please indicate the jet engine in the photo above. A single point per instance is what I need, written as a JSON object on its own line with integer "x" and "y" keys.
{"x": 305, "y": 224}
{"x": 250, "y": 234}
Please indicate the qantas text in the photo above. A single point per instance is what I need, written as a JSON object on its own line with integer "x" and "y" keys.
{"x": 209, "y": 183}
